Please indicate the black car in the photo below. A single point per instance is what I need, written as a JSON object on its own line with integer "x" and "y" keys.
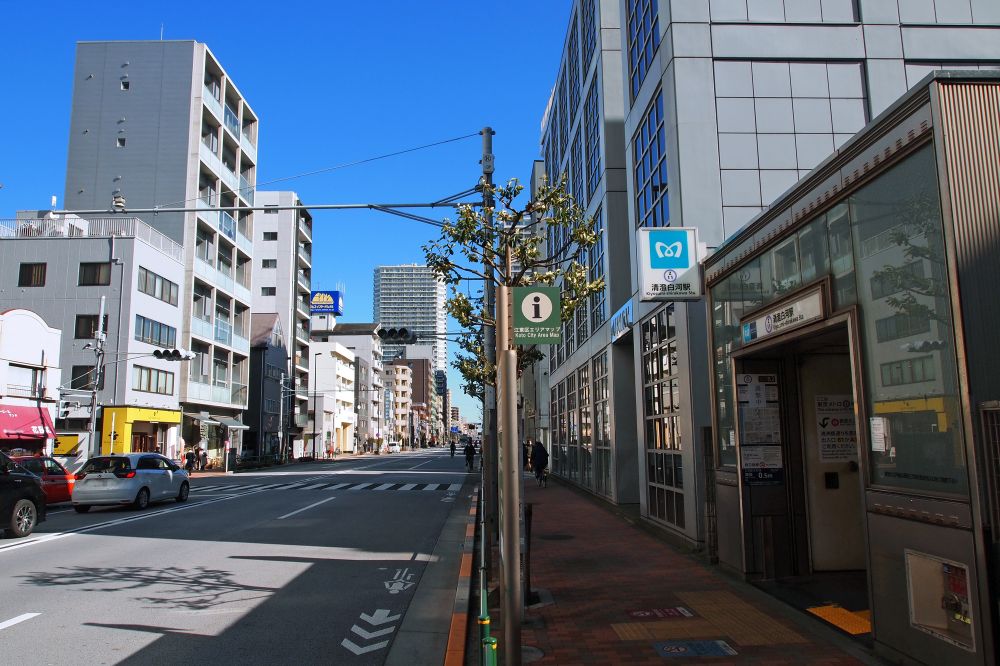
{"x": 22, "y": 500}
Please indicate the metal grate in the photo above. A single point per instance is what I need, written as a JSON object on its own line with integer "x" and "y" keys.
{"x": 991, "y": 465}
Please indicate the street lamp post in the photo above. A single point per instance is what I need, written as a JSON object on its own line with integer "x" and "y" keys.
{"x": 315, "y": 379}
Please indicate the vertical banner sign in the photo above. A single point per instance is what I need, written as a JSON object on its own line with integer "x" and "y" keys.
{"x": 668, "y": 264}
{"x": 537, "y": 317}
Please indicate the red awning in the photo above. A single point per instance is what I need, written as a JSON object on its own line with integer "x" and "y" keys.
{"x": 20, "y": 422}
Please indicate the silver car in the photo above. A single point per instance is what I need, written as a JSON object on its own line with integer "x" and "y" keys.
{"x": 133, "y": 478}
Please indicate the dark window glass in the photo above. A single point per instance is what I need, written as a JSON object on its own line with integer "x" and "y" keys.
{"x": 31, "y": 275}
{"x": 93, "y": 274}
{"x": 650, "y": 169}
{"x": 86, "y": 326}
{"x": 155, "y": 333}
{"x": 270, "y": 235}
{"x": 592, "y": 126}
{"x": 157, "y": 286}
{"x": 83, "y": 378}
{"x": 573, "y": 71}
{"x": 588, "y": 25}
{"x": 643, "y": 39}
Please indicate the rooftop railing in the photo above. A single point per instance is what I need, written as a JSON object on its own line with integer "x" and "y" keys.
{"x": 100, "y": 227}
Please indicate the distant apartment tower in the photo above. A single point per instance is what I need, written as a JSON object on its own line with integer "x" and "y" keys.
{"x": 410, "y": 295}
{"x": 160, "y": 123}
{"x": 282, "y": 252}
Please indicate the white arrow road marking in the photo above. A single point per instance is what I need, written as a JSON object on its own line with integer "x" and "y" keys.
{"x": 380, "y": 616}
{"x": 17, "y": 620}
{"x": 306, "y": 508}
{"x": 368, "y": 635}
{"x": 358, "y": 650}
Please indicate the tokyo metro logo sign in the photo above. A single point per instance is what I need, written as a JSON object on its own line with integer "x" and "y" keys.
{"x": 668, "y": 248}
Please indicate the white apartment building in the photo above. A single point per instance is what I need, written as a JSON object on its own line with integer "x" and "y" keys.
{"x": 362, "y": 340}
{"x": 410, "y": 296}
{"x": 333, "y": 394}
{"x": 282, "y": 252}
{"x": 29, "y": 381}
{"x": 162, "y": 124}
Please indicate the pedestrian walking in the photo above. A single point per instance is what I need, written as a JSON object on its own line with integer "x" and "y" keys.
{"x": 203, "y": 459}
{"x": 189, "y": 459}
{"x": 470, "y": 455}
{"x": 453, "y": 447}
{"x": 540, "y": 463}
{"x": 526, "y": 455}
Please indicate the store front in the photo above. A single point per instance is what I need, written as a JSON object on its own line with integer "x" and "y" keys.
{"x": 140, "y": 430}
{"x": 852, "y": 341}
{"x": 25, "y": 429}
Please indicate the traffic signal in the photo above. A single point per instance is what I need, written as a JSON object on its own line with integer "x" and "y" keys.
{"x": 397, "y": 336}
{"x": 173, "y": 354}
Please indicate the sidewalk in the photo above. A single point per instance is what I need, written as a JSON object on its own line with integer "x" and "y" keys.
{"x": 612, "y": 593}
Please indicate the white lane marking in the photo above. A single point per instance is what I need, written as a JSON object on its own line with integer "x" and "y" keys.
{"x": 339, "y": 486}
{"x": 314, "y": 486}
{"x": 368, "y": 635}
{"x": 359, "y": 650}
{"x": 455, "y": 486}
{"x": 362, "y": 486}
{"x": 424, "y": 463}
{"x": 119, "y": 521}
{"x": 17, "y": 620}
{"x": 305, "y": 508}
{"x": 409, "y": 486}
{"x": 433, "y": 486}
{"x": 384, "y": 486}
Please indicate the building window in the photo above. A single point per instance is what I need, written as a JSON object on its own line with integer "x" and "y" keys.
{"x": 125, "y": 84}
{"x": 573, "y": 60}
{"x": 650, "y": 169}
{"x": 909, "y": 371}
{"x": 268, "y": 291}
{"x": 82, "y": 378}
{"x": 595, "y": 256}
{"x": 86, "y": 327}
{"x": 151, "y": 380}
{"x": 896, "y": 280}
{"x": 95, "y": 274}
{"x": 661, "y": 404}
{"x": 270, "y": 210}
{"x": 901, "y": 326}
{"x": 586, "y": 422}
{"x": 643, "y": 40}
{"x": 565, "y": 116}
{"x": 602, "y": 425}
{"x": 270, "y": 406}
{"x": 155, "y": 333}
{"x": 120, "y": 142}
{"x": 268, "y": 263}
{"x": 577, "y": 166}
{"x": 156, "y": 286}
{"x": 270, "y": 235}
{"x": 31, "y": 275}
{"x": 588, "y": 24}
{"x": 592, "y": 125}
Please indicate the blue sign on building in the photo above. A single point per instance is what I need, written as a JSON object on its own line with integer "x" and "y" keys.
{"x": 326, "y": 302}
{"x": 668, "y": 248}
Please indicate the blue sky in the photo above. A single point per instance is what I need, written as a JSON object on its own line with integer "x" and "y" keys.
{"x": 332, "y": 82}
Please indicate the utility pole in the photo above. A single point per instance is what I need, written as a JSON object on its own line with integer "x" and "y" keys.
{"x": 490, "y": 450}
{"x": 281, "y": 417}
{"x": 99, "y": 338}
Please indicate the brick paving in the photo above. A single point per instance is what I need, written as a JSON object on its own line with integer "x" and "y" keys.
{"x": 596, "y": 566}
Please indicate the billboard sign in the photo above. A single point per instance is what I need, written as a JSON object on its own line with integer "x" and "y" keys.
{"x": 326, "y": 302}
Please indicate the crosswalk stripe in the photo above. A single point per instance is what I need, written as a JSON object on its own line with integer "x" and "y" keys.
{"x": 313, "y": 486}
{"x": 455, "y": 486}
{"x": 384, "y": 486}
{"x": 362, "y": 486}
{"x": 338, "y": 486}
{"x": 409, "y": 486}
{"x": 432, "y": 486}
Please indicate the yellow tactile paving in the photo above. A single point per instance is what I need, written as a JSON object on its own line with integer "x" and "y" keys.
{"x": 843, "y": 619}
{"x": 733, "y": 617}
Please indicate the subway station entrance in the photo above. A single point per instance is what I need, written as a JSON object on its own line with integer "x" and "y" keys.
{"x": 801, "y": 477}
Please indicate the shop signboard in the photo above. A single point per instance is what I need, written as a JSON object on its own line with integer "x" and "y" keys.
{"x": 537, "y": 315}
{"x": 622, "y": 322}
{"x": 785, "y": 317}
{"x": 668, "y": 264}
{"x": 326, "y": 302}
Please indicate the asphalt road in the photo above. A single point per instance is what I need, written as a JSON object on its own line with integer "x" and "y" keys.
{"x": 308, "y": 564}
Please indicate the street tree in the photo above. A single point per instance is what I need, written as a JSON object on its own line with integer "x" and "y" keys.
{"x": 544, "y": 242}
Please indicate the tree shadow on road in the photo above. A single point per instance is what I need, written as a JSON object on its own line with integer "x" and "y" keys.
{"x": 197, "y": 588}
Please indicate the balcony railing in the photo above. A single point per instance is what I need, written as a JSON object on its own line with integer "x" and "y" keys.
{"x": 210, "y": 157}
{"x": 212, "y": 102}
{"x": 303, "y": 278}
{"x": 305, "y": 229}
{"x": 301, "y": 332}
{"x": 246, "y": 189}
{"x": 305, "y": 251}
{"x": 302, "y": 306}
{"x": 24, "y": 391}
{"x": 239, "y": 393}
{"x": 241, "y": 344}
{"x": 202, "y": 328}
{"x": 223, "y": 332}
{"x": 232, "y": 120}
{"x": 248, "y": 146}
